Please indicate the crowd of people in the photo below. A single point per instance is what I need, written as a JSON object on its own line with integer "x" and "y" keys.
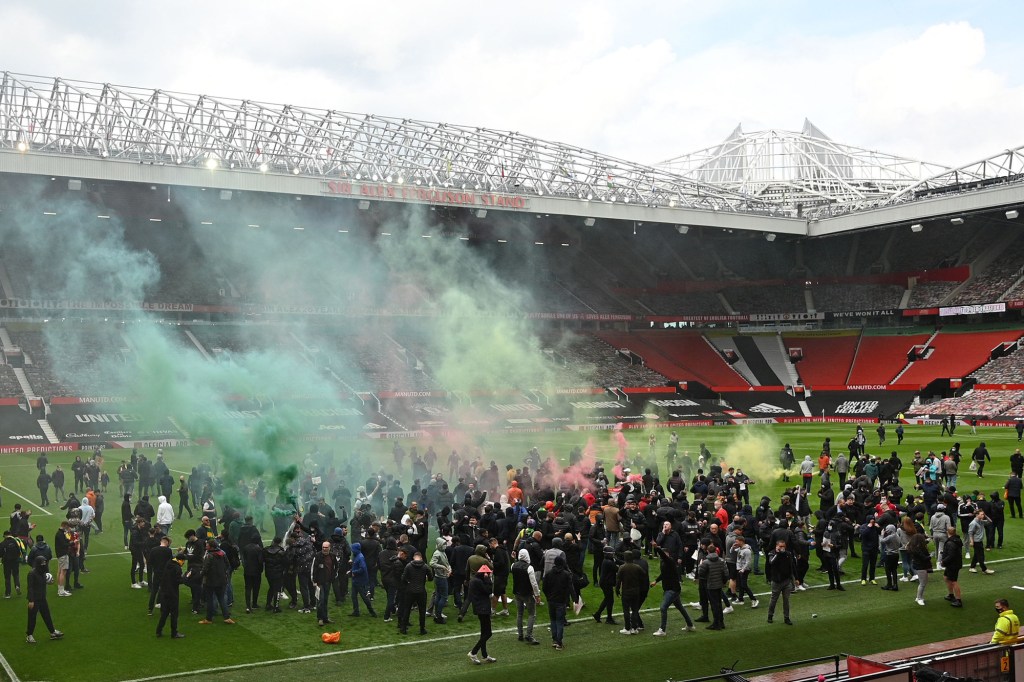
{"x": 506, "y": 542}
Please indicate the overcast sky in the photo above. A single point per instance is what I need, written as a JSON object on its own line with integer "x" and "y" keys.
{"x": 934, "y": 80}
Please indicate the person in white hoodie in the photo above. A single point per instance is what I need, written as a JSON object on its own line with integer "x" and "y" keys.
{"x": 527, "y": 595}
{"x": 164, "y": 514}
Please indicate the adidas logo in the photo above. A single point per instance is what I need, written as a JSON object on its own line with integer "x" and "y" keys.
{"x": 766, "y": 408}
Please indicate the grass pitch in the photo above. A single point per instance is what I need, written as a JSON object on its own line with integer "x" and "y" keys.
{"x": 110, "y": 637}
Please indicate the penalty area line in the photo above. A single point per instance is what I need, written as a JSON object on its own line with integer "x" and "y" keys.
{"x": 3, "y": 487}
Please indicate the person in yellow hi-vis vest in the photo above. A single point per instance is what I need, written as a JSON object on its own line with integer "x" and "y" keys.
{"x": 1007, "y": 624}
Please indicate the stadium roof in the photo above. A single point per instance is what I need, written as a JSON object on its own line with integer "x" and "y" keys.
{"x": 771, "y": 181}
{"x": 800, "y": 170}
{"x": 54, "y": 115}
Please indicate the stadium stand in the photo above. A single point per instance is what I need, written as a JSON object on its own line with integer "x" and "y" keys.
{"x": 937, "y": 247}
{"x": 971, "y": 404}
{"x": 9, "y": 386}
{"x": 775, "y": 299}
{"x": 869, "y": 251}
{"x": 1008, "y": 369}
{"x": 828, "y": 257}
{"x": 826, "y": 359}
{"x": 589, "y": 361}
{"x": 930, "y": 293}
{"x": 691, "y": 303}
{"x": 74, "y": 360}
{"x": 677, "y": 356}
{"x": 956, "y": 355}
{"x": 367, "y": 361}
{"x": 751, "y": 258}
{"x": 880, "y": 358}
{"x": 839, "y": 297}
{"x": 997, "y": 279}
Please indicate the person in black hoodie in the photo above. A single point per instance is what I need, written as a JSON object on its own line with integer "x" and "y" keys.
{"x": 158, "y": 558}
{"x": 252, "y": 572}
{"x": 371, "y": 552}
{"x": 606, "y": 582}
{"x": 37, "y": 605}
{"x": 459, "y": 559}
{"x": 275, "y": 562}
{"x": 558, "y": 588}
{"x": 502, "y": 568}
{"x": 870, "y": 533}
{"x": 480, "y": 597}
{"x": 780, "y": 570}
{"x": 672, "y": 584}
{"x": 215, "y": 578}
{"x": 414, "y": 588}
{"x": 194, "y": 551}
{"x": 127, "y": 518}
{"x": 10, "y": 554}
{"x": 170, "y": 580}
{"x": 343, "y": 556}
{"x": 391, "y": 568}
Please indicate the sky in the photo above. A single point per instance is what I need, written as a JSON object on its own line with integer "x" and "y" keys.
{"x": 933, "y": 80}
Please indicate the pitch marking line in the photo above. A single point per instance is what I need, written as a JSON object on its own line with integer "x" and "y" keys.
{"x": 377, "y": 647}
{"x": 3, "y": 487}
{"x": 8, "y": 669}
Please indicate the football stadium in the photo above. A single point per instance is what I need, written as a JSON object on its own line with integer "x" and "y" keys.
{"x": 396, "y": 338}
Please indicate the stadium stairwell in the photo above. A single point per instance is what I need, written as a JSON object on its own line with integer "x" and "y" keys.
{"x": 199, "y": 346}
{"x": 910, "y": 363}
{"x": 775, "y": 353}
{"x": 26, "y": 388}
{"x": 748, "y": 349}
{"x": 51, "y": 435}
{"x": 5, "y": 283}
{"x": 723, "y": 343}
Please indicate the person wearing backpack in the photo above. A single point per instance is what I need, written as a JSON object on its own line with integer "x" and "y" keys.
{"x": 215, "y": 578}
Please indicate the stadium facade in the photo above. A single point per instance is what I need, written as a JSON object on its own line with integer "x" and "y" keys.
{"x": 777, "y": 276}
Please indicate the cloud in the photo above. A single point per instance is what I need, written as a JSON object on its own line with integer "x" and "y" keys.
{"x": 644, "y": 82}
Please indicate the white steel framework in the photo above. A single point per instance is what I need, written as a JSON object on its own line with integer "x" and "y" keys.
{"x": 799, "y": 172}
{"x": 75, "y": 118}
{"x": 1004, "y": 167}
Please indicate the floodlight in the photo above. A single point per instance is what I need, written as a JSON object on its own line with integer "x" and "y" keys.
{"x": 770, "y": 236}
{"x": 957, "y": 221}
{"x": 916, "y": 227}
{"x": 682, "y": 229}
{"x": 1012, "y": 214}
{"x": 589, "y": 222}
{"x": 481, "y": 213}
{"x": 364, "y": 204}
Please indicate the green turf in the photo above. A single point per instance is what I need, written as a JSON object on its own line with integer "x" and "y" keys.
{"x": 110, "y": 637}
